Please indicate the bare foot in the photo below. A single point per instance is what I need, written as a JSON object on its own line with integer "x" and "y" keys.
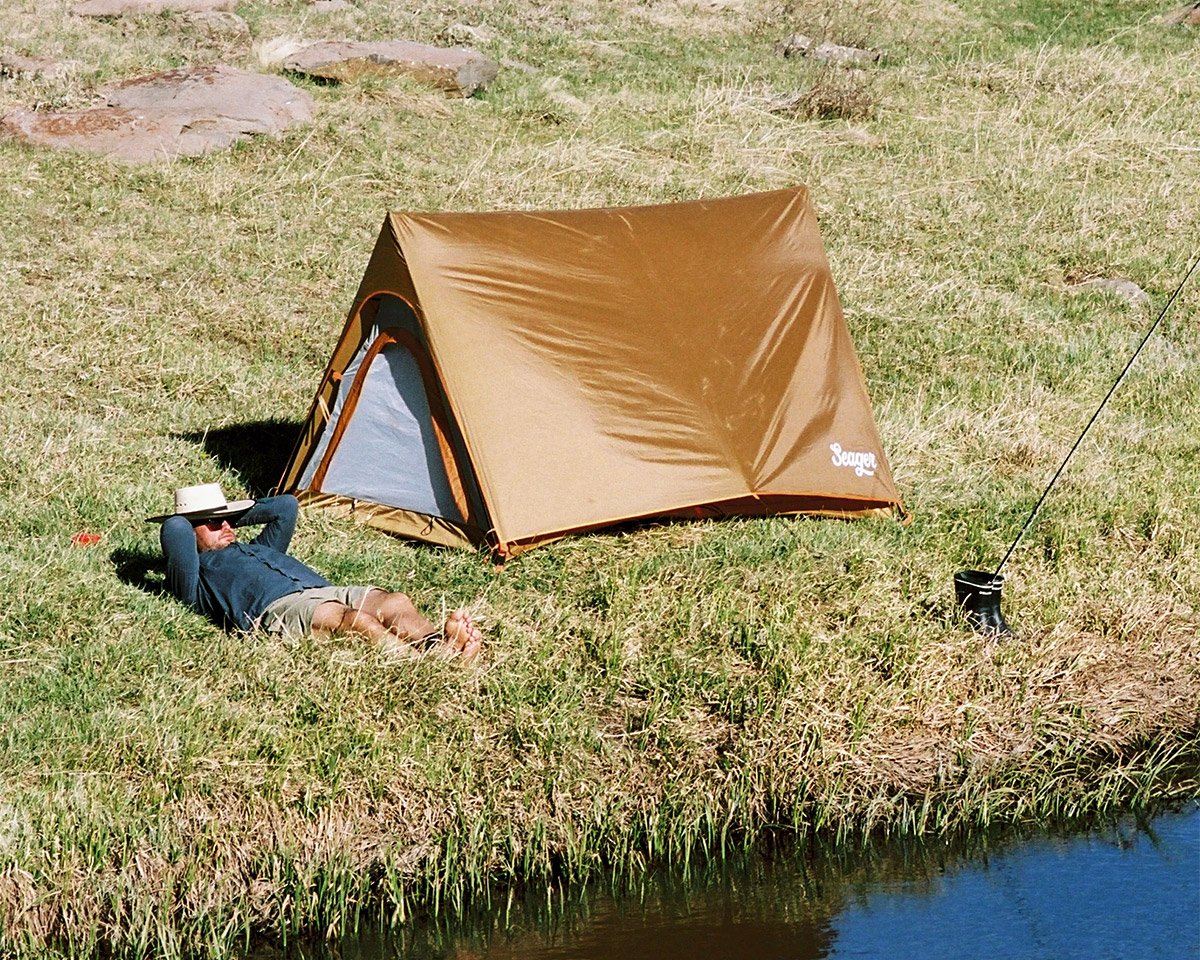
{"x": 461, "y": 637}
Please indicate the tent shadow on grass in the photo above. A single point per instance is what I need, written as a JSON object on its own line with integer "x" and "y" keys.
{"x": 257, "y": 451}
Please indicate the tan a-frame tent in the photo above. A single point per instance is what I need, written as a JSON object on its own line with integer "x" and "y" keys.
{"x": 508, "y": 378}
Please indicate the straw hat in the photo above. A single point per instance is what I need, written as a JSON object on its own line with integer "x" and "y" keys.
{"x": 204, "y": 501}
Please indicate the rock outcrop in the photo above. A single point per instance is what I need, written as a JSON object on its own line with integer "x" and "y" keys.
{"x": 17, "y": 65}
{"x": 177, "y": 113}
{"x": 134, "y": 8}
{"x": 457, "y": 71}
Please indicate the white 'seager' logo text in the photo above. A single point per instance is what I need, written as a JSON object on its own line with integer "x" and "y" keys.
{"x": 863, "y": 463}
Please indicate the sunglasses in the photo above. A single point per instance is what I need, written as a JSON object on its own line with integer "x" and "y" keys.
{"x": 213, "y": 523}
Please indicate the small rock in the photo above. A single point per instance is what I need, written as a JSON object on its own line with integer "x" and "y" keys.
{"x": 177, "y": 113}
{"x": 134, "y": 8}
{"x": 465, "y": 33}
{"x": 520, "y": 67}
{"x": 15, "y": 65}
{"x": 271, "y": 53}
{"x": 217, "y": 24}
{"x": 457, "y": 71}
{"x": 785, "y": 103}
{"x": 606, "y": 50}
{"x": 807, "y": 47}
{"x": 1122, "y": 288}
{"x": 1187, "y": 15}
{"x": 555, "y": 89}
{"x": 861, "y": 138}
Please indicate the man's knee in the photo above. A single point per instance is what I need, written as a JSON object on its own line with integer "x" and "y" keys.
{"x": 384, "y": 602}
{"x": 332, "y": 616}
{"x": 327, "y": 617}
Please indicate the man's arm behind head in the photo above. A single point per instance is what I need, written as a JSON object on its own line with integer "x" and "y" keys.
{"x": 279, "y": 514}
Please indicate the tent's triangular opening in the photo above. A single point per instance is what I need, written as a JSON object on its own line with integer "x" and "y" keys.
{"x": 391, "y": 423}
{"x": 388, "y": 439}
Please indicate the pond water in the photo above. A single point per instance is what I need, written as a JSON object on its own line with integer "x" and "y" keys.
{"x": 1125, "y": 891}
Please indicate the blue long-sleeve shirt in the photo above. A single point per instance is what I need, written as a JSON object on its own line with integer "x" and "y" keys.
{"x": 234, "y": 585}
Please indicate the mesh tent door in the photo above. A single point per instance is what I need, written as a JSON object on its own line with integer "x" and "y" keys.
{"x": 387, "y": 437}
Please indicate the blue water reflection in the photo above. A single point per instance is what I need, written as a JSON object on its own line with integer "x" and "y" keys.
{"x": 1121, "y": 894}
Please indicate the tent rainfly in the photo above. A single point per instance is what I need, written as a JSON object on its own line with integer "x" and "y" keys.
{"x": 508, "y": 378}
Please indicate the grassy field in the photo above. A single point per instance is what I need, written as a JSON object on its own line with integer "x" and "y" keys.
{"x": 663, "y": 692}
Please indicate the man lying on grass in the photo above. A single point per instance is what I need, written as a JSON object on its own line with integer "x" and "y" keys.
{"x": 256, "y": 585}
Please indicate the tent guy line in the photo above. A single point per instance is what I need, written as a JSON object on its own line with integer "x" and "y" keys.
{"x": 978, "y": 593}
{"x": 1113, "y": 389}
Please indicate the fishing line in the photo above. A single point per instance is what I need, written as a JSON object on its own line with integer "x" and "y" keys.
{"x": 1112, "y": 390}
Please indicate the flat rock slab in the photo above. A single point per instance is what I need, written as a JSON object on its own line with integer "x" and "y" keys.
{"x": 178, "y": 113}
{"x": 466, "y": 33}
{"x": 807, "y": 47}
{"x": 457, "y": 71}
{"x": 134, "y": 8}
{"x": 1188, "y": 15}
{"x": 1126, "y": 289}
{"x": 216, "y": 24}
{"x": 16, "y": 65}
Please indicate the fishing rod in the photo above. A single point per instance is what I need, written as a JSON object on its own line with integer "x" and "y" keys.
{"x": 978, "y": 591}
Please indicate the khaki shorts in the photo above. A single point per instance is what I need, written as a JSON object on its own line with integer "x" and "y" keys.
{"x": 293, "y": 614}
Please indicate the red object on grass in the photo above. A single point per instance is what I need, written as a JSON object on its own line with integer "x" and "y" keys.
{"x": 85, "y": 539}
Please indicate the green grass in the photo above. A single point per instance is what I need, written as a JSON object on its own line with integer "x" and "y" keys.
{"x": 653, "y": 693}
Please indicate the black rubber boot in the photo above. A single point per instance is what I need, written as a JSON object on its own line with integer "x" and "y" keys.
{"x": 978, "y": 594}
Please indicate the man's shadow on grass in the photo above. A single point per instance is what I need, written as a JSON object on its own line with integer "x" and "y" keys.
{"x": 257, "y": 451}
{"x": 141, "y": 569}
